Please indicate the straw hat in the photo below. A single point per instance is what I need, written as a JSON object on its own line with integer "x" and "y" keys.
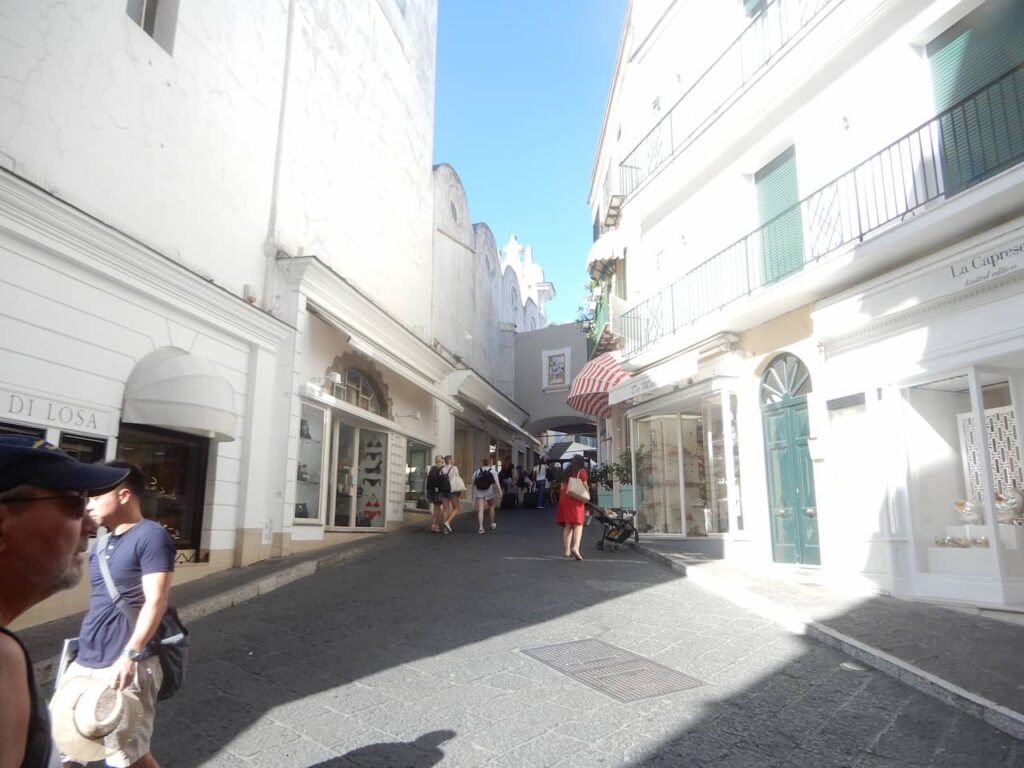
{"x": 86, "y": 713}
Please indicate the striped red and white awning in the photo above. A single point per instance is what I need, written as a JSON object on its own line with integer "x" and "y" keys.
{"x": 589, "y": 393}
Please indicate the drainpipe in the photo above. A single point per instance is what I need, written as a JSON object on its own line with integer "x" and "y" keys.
{"x": 271, "y": 297}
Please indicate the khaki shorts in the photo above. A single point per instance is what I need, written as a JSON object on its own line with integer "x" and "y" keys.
{"x": 128, "y": 748}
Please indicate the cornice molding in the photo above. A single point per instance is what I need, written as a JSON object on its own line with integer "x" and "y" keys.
{"x": 942, "y": 306}
{"x": 332, "y": 293}
{"x": 32, "y": 215}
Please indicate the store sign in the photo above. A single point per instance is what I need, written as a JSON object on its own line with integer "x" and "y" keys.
{"x": 679, "y": 370}
{"x": 52, "y": 413}
{"x": 987, "y": 266}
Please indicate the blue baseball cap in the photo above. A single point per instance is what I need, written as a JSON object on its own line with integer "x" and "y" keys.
{"x": 26, "y": 460}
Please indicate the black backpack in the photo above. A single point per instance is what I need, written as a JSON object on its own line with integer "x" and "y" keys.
{"x": 444, "y": 485}
{"x": 484, "y": 479}
{"x": 433, "y": 480}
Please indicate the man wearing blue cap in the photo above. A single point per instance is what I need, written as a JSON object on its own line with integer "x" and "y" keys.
{"x": 43, "y": 532}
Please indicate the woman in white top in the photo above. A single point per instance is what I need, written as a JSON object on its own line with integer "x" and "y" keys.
{"x": 486, "y": 487}
{"x": 452, "y": 504}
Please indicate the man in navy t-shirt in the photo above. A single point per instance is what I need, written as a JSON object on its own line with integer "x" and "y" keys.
{"x": 140, "y": 555}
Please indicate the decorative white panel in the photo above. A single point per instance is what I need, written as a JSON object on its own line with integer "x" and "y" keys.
{"x": 1004, "y": 451}
{"x": 396, "y": 475}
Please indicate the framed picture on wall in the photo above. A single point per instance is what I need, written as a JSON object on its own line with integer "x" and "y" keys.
{"x": 555, "y": 369}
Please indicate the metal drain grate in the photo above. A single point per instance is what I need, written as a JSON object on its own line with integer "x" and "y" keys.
{"x": 613, "y": 671}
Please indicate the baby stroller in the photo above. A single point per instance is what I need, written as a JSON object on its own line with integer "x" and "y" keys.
{"x": 618, "y": 525}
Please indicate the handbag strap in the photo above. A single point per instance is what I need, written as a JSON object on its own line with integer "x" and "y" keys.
{"x": 115, "y": 596}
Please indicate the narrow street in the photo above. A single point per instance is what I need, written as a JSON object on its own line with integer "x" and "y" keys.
{"x": 414, "y": 653}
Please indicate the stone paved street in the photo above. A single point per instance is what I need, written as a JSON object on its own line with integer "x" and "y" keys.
{"x": 410, "y": 654}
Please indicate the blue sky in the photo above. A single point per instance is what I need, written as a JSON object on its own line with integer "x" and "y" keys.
{"x": 521, "y": 89}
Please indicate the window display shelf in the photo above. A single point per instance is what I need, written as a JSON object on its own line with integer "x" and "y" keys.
{"x": 1012, "y": 536}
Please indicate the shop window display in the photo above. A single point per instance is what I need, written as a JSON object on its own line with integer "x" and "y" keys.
{"x": 371, "y": 486}
{"x": 947, "y": 489}
{"x": 88, "y": 450}
{"x": 687, "y": 469}
{"x": 9, "y": 428}
{"x": 417, "y": 462}
{"x": 175, "y": 467}
{"x": 308, "y": 486}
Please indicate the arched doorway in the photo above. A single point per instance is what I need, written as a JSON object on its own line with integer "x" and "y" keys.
{"x": 791, "y": 504}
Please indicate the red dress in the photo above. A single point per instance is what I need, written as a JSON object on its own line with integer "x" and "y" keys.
{"x": 570, "y": 511}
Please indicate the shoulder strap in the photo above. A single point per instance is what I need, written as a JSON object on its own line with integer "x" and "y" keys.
{"x": 115, "y": 596}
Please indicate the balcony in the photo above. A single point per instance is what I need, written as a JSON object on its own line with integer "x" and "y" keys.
{"x": 973, "y": 140}
{"x": 605, "y": 327}
{"x": 777, "y": 25}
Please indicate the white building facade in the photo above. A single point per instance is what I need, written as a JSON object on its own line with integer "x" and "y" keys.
{"x": 218, "y": 260}
{"x": 810, "y": 213}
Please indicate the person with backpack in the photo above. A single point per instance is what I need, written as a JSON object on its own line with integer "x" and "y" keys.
{"x": 486, "y": 488}
{"x": 438, "y": 487}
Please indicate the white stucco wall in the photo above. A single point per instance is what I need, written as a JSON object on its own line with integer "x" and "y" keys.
{"x": 356, "y": 184}
{"x": 177, "y": 150}
{"x": 481, "y": 299}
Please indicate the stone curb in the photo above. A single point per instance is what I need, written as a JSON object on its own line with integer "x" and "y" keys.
{"x": 1002, "y": 718}
{"x": 46, "y": 669}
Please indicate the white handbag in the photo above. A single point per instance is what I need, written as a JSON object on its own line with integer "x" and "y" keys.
{"x": 457, "y": 484}
{"x": 577, "y": 490}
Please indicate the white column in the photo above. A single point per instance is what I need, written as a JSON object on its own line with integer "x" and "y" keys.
{"x": 728, "y": 428}
{"x": 682, "y": 479}
{"x": 985, "y": 467}
{"x": 259, "y": 505}
{"x": 632, "y": 462}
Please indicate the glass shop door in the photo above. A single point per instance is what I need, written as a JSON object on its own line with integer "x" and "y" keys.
{"x": 358, "y": 477}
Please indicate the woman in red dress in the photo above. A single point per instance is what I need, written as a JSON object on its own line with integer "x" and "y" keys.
{"x": 570, "y": 511}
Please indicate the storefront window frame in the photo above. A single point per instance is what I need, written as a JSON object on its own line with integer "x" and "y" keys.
{"x": 199, "y": 475}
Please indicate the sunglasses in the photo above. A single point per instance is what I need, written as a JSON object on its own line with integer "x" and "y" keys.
{"x": 81, "y": 501}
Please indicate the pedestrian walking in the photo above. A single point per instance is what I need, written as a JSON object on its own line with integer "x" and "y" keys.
{"x": 437, "y": 488}
{"x": 486, "y": 488}
{"x": 541, "y": 484}
{"x": 43, "y": 532}
{"x": 457, "y": 486}
{"x": 522, "y": 485}
{"x": 139, "y": 555}
{"x": 572, "y": 512}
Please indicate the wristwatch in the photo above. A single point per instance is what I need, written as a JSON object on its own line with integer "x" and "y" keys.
{"x": 132, "y": 654}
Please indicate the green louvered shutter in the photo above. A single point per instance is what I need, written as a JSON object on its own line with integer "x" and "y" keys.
{"x": 981, "y": 132}
{"x": 753, "y": 7}
{"x": 782, "y": 245}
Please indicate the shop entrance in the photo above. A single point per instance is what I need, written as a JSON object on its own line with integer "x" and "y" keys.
{"x": 791, "y": 501}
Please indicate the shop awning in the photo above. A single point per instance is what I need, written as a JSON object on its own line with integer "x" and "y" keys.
{"x": 533, "y": 440}
{"x": 606, "y": 250}
{"x": 172, "y": 389}
{"x": 589, "y": 393}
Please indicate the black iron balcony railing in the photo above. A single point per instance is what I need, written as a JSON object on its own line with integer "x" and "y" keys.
{"x": 974, "y": 139}
{"x": 757, "y": 47}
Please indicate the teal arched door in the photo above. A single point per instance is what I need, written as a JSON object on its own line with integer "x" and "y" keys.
{"x": 791, "y": 504}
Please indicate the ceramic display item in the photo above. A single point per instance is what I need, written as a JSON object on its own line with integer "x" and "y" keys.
{"x": 970, "y": 511}
{"x": 1008, "y": 506}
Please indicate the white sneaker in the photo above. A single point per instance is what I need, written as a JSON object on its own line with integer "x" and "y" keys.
{"x": 493, "y": 526}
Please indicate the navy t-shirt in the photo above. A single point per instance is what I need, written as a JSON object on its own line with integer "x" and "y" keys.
{"x": 143, "y": 549}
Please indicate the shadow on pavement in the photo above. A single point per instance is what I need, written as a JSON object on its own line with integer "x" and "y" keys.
{"x": 415, "y": 642}
{"x": 421, "y": 753}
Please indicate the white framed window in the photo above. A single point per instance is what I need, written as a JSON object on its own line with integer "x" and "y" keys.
{"x": 157, "y": 18}
{"x": 555, "y": 368}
